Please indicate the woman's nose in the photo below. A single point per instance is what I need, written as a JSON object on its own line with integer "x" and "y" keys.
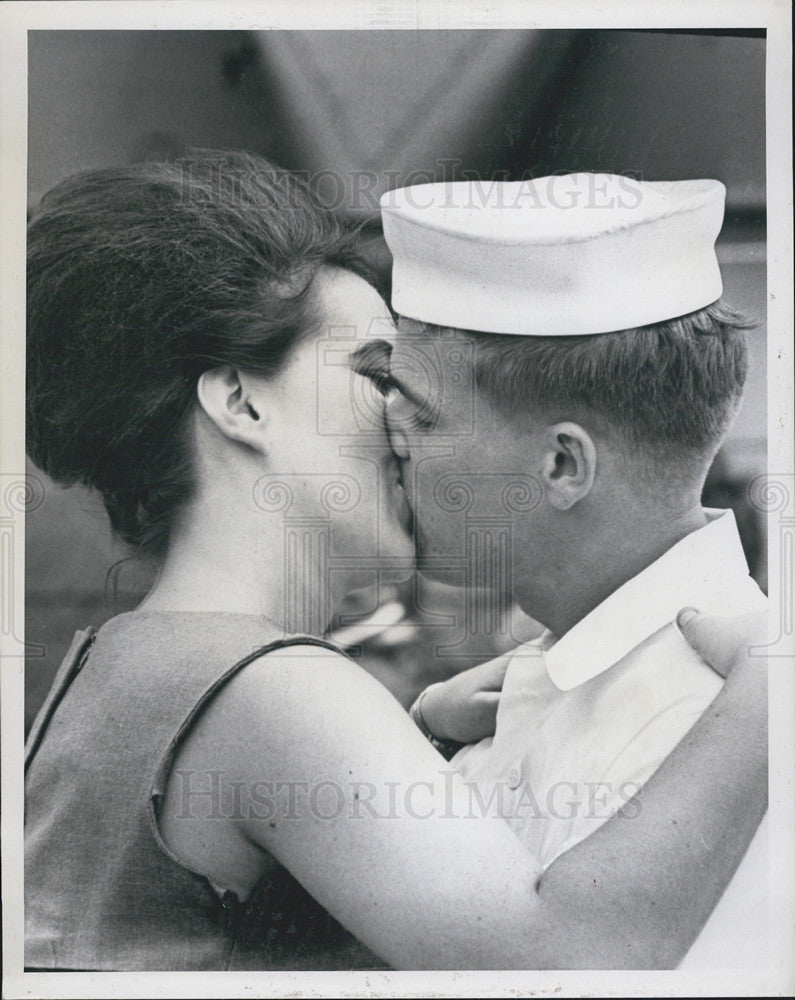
{"x": 398, "y": 441}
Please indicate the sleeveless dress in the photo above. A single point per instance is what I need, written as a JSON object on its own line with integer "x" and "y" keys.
{"x": 102, "y": 891}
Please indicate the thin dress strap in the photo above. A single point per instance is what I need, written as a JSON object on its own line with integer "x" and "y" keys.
{"x": 70, "y": 667}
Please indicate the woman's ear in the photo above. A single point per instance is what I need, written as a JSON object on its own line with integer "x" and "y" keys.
{"x": 569, "y": 464}
{"x": 226, "y": 395}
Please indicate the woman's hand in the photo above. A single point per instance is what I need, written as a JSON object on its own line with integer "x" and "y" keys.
{"x": 464, "y": 708}
{"x": 724, "y": 643}
{"x": 374, "y": 825}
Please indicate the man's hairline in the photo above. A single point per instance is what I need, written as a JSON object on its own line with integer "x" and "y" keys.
{"x": 602, "y": 426}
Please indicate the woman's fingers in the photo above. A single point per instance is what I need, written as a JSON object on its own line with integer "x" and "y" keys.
{"x": 723, "y": 641}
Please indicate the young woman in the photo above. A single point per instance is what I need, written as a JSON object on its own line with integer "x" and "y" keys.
{"x": 210, "y": 785}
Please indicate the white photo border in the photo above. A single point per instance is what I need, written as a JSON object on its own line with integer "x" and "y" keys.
{"x": 773, "y": 15}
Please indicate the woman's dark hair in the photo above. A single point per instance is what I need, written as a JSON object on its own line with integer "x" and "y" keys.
{"x": 141, "y": 278}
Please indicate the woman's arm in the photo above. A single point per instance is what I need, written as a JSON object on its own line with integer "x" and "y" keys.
{"x": 397, "y": 846}
{"x": 672, "y": 850}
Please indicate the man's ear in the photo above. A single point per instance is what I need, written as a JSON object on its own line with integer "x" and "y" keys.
{"x": 569, "y": 464}
{"x": 226, "y": 395}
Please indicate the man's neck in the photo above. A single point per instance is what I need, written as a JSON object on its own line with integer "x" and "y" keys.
{"x": 603, "y": 561}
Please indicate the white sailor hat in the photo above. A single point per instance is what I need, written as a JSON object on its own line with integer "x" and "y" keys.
{"x": 562, "y": 255}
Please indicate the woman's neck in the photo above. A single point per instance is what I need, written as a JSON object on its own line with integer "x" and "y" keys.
{"x": 270, "y": 572}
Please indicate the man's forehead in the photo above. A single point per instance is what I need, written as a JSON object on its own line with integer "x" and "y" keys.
{"x": 433, "y": 367}
{"x": 410, "y": 329}
{"x": 416, "y": 329}
{"x": 412, "y": 349}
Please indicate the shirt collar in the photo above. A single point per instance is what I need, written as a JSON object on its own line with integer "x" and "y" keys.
{"x": 703, "y": 570}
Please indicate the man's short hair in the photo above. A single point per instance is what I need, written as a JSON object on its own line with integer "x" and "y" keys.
{"x": 671, "y": 387}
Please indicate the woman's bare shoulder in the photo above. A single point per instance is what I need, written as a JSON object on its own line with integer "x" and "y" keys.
{"x": 284, "y": 720}
{"x": 302, "y": 674}
{"x": 291, "y": 698}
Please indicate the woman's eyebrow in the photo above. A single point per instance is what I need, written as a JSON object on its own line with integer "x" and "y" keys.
{"x": 371, "y": 358}
{"x": 367, "y": 356}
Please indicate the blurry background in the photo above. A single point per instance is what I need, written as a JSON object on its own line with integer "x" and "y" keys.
{"x": 364, "y": 111}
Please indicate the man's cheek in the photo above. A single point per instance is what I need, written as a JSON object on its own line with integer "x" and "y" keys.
{"x": 443, "y": 529}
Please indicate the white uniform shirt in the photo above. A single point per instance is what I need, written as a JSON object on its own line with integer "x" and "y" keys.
{"x": 585, "y": 720}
